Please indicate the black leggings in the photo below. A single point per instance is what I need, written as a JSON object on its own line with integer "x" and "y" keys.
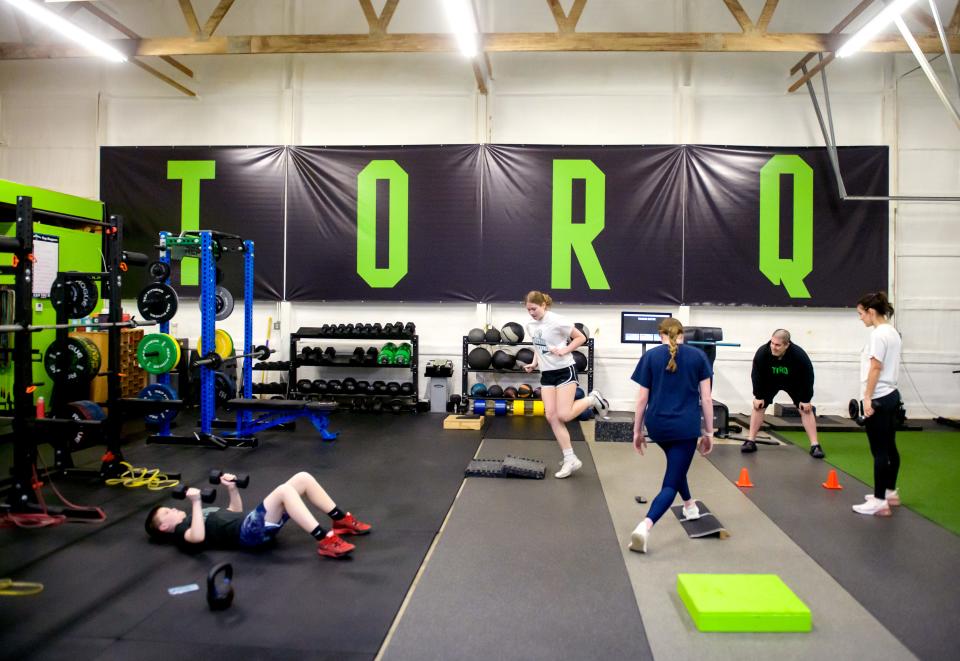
{"x": 882, "y": 434}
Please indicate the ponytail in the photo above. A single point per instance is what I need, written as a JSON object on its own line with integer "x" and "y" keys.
{"x": 878, "y": 302}
{"x": 672, "y": 329}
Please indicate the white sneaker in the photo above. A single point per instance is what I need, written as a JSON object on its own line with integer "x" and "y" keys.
{"x": 893, "y": 497}
{"x": 568, "y": 468}
{"x": 691, "y": 513}
{"x": 873, "y": 507}
{"x": 600, "y": 404}
{"x": 639, "y": 538}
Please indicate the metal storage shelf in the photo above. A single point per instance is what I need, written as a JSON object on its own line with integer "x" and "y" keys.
{"x": 466, "y": 370}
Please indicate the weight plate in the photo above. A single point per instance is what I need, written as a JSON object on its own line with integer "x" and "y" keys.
{"x": 223, "y": 343}
{"x": 157, "y": 302}
{"x": 158, "y": 271}
{"x": 83, "y": 410}
{"x": 222, "y": 303}
{"x": 76, "y": 295}
{"x": 224, "y": 389}
{"x": 158, "y": 353}
{"x": 72, "y": 360}
{"x": 159, "y": 392}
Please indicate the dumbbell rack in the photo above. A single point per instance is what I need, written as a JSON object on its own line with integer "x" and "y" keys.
{"x": 312, "y": 333}
{"x": 467, "y": 370}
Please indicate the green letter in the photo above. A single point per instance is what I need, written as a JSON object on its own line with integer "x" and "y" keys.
{"x": 367, "y": 224}
{"x": 577, "y": 238}
{"x": 190, "y": 172}
{"x": 790, "y": 272}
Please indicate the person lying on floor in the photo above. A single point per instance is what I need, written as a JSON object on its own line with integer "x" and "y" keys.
{"x": 213, "y": 527}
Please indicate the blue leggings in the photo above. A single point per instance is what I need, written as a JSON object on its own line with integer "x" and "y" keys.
{"x": 679, "y": 455}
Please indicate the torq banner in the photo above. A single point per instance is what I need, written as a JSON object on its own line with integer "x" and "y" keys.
{"x": 622, "y": 224}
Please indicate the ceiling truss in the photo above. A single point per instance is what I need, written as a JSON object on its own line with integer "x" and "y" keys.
{"x": 753, "y": 37}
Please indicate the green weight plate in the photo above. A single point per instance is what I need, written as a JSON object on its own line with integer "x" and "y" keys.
{"x": 158, "y": 353}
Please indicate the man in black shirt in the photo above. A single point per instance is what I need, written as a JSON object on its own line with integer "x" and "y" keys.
{"x": 230, "y": 528}
{"x": 781, "y": 365}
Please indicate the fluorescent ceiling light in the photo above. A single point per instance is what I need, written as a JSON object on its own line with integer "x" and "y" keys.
{"x": 462, "y": 24}
{"x": 870, "y": 30}
{"x": 69, "y": 30}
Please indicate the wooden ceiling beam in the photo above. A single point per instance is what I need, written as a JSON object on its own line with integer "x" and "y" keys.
{"x": 847, "y": 20}
{"x": 123, "y": 29}
{"x": 566, "y": 22}
{"x": 954, "y": 24}
{"x": 215, "y": 17}
{"x": 378, "y": 24}
{"x": 766, "y": 14}
{"x": 740, "y": 14}
{"x": 923, "y": 18}
{"x": 517, "y": 42}
{"x": 162, "y": 76}
{"x": 190, "y": 17}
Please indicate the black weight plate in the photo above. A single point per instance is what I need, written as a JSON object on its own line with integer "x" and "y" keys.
{"x": 76, "y": 295}
{"x": 224, "y": 389}
{"x": 158, "y": 271}
{"x": 157, "y": 302}
{"x": 72, "y": 360}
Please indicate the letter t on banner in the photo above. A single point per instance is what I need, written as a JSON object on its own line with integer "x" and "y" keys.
{"x": 191, "y": 173}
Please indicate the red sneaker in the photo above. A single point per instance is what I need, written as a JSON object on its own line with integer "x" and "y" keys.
{"x": 349, "y": 525}
{"x": 333, "y": 547}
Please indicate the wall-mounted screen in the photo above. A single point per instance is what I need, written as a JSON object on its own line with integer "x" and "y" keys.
{"x": 641, "y": 327}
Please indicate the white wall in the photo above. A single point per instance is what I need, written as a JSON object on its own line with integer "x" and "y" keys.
{"x": 54, "y": 115}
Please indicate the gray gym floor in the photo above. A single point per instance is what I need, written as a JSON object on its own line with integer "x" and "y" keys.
{"x": 527, "y": 569}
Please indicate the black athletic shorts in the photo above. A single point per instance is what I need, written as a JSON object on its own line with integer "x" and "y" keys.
{"x": 560, "y": 377}
{"x": 793, "y": 394}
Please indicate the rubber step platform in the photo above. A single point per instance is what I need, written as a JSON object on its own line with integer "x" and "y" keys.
{"x": 522, "y": 467}
{"x": 485, "y": 468}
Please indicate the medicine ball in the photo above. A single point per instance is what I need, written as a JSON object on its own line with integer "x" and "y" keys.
{"x": 537, "y": 392}
{"x": 476, "y": 335}
{"x": 494, "y": 391}
{"x": 479, "y": 359}
{"x": 492, "y": 336}
{"x": 524, "y": 390}
{"x": 525, "y": 356}
{"x": 583, "y": 329}
{"x": 478, "y": 390}
{"x": 512, "y": 332}
{"x": 503, "y": 361}
{"x": 510, "y": 392}
{"x": 580, "y": 360}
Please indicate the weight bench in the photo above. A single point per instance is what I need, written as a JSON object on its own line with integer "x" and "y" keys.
{"x": 274, "y": 412}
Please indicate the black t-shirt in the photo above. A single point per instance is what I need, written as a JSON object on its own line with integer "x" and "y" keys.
{"x": 792, "y": 372}
{"x": 222, "y": 529}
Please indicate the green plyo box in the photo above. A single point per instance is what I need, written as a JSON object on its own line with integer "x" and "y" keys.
{"x": 742, "y": 603}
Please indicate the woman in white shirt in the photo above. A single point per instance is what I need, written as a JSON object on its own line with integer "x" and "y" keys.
{"x": 879, "y": 369}
{"x": 554, "y": 338}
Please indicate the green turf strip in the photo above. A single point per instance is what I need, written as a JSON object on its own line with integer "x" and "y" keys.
{"x": 928, "y": 467}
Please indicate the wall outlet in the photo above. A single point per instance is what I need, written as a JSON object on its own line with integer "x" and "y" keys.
{"x": 38, "y": 307}
{"x": 276, "y": 325}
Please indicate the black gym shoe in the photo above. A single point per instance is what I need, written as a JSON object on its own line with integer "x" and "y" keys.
{"x": 748, "y": 446}
{"x": 817, "y": 452}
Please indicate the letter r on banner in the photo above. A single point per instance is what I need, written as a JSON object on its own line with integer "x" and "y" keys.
{"x": 571, "y": 239}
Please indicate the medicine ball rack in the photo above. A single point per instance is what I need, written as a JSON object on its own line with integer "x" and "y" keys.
{"x": 65, "y": 432}
{"x": 396, "y": 401}
{"x": 467, "y": 370}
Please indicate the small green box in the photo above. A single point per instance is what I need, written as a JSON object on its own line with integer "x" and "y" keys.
{"x": 743, "y": 603}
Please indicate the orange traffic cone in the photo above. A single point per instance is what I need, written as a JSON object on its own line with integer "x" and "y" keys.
{"x": 744, "y": 480}
{"x": 832, "y": 481}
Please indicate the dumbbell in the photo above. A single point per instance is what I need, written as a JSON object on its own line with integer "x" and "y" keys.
{"x": 370, "y": 357}
{"x": 393, "y": 387}
{"x": 349, "y": 385}
{"x": 319, "y": 386}
{"x": 328, "y": 354}
{"x": 206, "y": 495}
{"x": 856, "y": 412}
{"x": 241, "y": 480}
{"x": 334, "y": 386}
{"x": 406, "y": 388}
{"x": 357, "y": 357}
{"x": 304, "y": 385}
{"x": 410, "y": 329}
